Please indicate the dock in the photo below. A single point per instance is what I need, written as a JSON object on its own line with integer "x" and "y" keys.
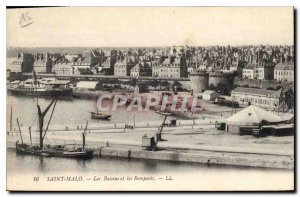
{"x": 200, "y": 143}
{"x": 202, "y": 157}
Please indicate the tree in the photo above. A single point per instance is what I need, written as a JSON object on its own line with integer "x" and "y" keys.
{"x": 154, "y": 83}
{"x": 85, "y": 71}
{"x": 99, "y": 85}
{"x": 212, "y": 87}
{"x": 133, "y": 82}
{"x": 223, "y": 88}
{"x": 177, "y": 85}
{"x": 165, "y": 83}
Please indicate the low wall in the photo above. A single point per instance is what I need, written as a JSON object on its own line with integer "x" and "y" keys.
{"x": 239, "y": 160}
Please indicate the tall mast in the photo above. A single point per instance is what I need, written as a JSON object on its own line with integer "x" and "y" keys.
{"x": 20, "y": 131}
{"x": 41, "y": 121}
{"x": 83, "y": 136}
{"x": 10, "y": 124}
{"x": 30, "y": 135}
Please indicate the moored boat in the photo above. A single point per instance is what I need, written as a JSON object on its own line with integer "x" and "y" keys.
{"x": 98, "y": 115}
{"x": 50, "y": 87}
{"x": 51, "y": 150}
{"x": 40, "y": 91}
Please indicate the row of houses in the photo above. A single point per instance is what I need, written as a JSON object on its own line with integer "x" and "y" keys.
{"x": 169, "y": 68}
{"x": 279, "y": 72}
{"x": 64, "y": 64}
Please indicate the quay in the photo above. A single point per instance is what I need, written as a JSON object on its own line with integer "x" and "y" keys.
{"x": 202, "y": 157}
{"x": 203, "y": 145}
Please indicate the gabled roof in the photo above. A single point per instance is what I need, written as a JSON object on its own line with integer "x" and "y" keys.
{"x": 166, "y": 61}
{"x": 137, "y": 66}
{"x": 253, "y": 114}
{"x": 208, "y": 62}
{"x": 250, "y": 66}
{"x": 281, "y": 66}
{"x": 208, "y": 92}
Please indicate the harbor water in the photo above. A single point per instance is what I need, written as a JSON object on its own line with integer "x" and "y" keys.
{"x": 69, "y": 111}
{"x": 22, "y": 170}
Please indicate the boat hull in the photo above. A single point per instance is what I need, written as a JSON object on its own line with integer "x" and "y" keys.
{"x": 31, "y": 150}
{"x": 100, "y": 116}
{"x": 50, "y": 93}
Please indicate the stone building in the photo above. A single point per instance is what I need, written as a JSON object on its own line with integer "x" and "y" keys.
{"x": 42, "y": 63}
{"x": 141, "y": 69}
{"x": 260, "y": 97}
{"x": 120, "y": 68}
{"x": 170, "y": 68}
{"x": 81, "y": 63}
{"x": 65, "y": 68}
{"x": 284, "y": 72}
{"x": 250, "y": 71}
{"x": 22, "y": 63}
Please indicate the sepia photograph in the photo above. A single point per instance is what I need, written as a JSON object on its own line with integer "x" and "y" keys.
{"x": 150, "y": 98}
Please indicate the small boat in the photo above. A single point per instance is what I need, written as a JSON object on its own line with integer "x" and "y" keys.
{"x": 98, "y": 115}
{"x": 163, "y": 113}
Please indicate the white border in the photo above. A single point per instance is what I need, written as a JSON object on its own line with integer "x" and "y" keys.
{"x": 295, "y": 3}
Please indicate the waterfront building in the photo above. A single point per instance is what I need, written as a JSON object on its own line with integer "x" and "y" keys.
{"x": 65, "y": 68}
{"x": 120, "y": 69}
{"x": 250, "y": 71}
{"x": 81, "y": 63}
{"x": 22, "y": 63}
{"x": 170, "y": 68}
{"x": 42, "y": 63}
{"x": 270, "y": 99}
{"x": 284, "y": 72}
{"x": 141, "y": 69}
{"x": 14, "y": 65}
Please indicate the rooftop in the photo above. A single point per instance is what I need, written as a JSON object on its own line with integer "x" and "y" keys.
{"x": 257, "y": 91}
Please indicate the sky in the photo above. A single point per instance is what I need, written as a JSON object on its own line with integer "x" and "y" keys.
{"x": 149, "y": 26}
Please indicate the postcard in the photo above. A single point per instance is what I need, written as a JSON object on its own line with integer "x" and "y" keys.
{"x": 150, "y": 99}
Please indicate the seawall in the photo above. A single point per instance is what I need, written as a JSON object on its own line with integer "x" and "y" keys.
{"x": 207, "y": 158}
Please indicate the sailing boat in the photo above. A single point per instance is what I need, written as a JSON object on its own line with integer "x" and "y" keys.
{"x": 51, "y": 150}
